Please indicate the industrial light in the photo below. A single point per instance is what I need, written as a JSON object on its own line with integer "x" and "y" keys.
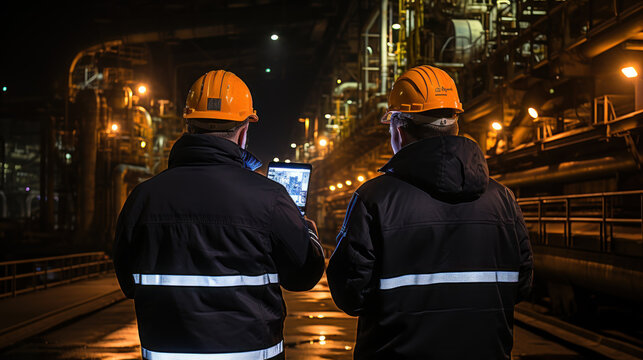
{"x": 496, "y": 126}
{"x": 293, "y": 145}
{"x": 532, "y": 112}
{"x": 274, "y": 37}
{"x": 629, "y": 72}
{"x": 287, "y": 161}
{"x": 396, "y": 26}
{"x": 332, "y": 188}
{"x": 114, "y": 127}
{"x": 268, "y": 70}
{"x": 349, "y": 183}
{"x": 323, "y": 142}
{"x": 340, "y": 185}
{"x": 339, "y": 81}
{"x": 361, "y": 178}
{"x": 143, "y": 144}
{"x": 142, "y": 89}
{"x": 327, "y": 116}
{"x": 275, "y": 159}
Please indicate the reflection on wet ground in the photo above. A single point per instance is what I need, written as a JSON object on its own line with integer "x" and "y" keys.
{"x": 315, "y": 329}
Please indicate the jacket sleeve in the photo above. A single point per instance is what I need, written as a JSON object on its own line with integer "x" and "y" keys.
{"x": 123, "y": 246}
{"x": 526, "y": 271}
{"x": 296, "y": 249}
{"x": 350, "y": 269}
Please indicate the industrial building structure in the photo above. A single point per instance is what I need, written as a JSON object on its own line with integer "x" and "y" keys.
{"x": 552, "y": 92}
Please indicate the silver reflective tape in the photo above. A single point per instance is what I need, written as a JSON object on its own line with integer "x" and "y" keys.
{"x": 207, "y": 281}
{"x": 245, "y": 355}
{"x": 449, "y": 277}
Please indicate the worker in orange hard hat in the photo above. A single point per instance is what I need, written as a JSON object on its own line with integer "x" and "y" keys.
{"x": 204, "y": 246}
{"x": 434, "y": 254}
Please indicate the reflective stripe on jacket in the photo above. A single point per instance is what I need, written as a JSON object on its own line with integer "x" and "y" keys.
{"x": 203, "y": 248}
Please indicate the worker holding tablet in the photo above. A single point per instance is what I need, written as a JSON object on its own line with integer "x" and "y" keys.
{"x": 204, "y": 246}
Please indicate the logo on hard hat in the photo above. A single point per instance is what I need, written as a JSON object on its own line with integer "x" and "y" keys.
{"x": 442, "y": 91}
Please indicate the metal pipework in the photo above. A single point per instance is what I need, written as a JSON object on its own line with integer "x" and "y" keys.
{"x": 383, "y": 46}
{"x": 616, "y": 34}
{"x": 567, "y": 171}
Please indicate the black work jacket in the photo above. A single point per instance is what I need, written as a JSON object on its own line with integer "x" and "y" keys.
{"x": 432, "y": 257}
{"x": 203, "y": 248}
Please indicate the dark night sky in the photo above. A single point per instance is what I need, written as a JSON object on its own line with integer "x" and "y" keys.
{"x": 39, "y": 43}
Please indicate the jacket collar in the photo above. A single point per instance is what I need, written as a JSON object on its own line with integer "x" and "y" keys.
{"x": 202, "y": 149}
{"x": 451, "y": 168}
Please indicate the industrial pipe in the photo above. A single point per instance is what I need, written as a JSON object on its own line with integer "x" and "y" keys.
{"x": 606, "y": 278}
{"x": 567, "y": 171}
{"x": 118, "y": 179}
{"x": 88, "y": 113}
{"x": 350, "y": 85}
{"x": 616, "y": 34}
{"x": 383, "y": 47}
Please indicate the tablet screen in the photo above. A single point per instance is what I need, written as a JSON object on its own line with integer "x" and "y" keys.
{"x": 294, "y": 179}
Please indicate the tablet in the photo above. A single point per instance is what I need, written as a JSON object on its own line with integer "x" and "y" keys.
{"x": 295, "y": 177}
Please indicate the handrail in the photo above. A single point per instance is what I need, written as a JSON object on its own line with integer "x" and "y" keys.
{"x": 21, "y": 276}
{"x": 601, "y": 214}
{"x": 96, "y": 253}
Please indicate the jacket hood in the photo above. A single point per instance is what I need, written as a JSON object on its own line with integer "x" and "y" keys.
{"x": 450, "y": 168}
{"x": 202, "y": 149}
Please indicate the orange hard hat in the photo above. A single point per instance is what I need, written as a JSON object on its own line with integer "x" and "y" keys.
{"x": 420, "y": 89}
{"x": 219, "y": 95}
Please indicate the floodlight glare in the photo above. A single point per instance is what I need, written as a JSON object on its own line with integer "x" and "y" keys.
{"x": 114, "y": 127}
{"x": 532, "y": 112}
{"x": 275, "y": 159}
{"x": 629, "y": 72}
{"x": 349, "y": 183}
{"x": 332, "y": 188}
{"x": 340, "y": 185}
{"x": 496, "y": 126}
{"x": 360, "y": 178}
{"x": 323, "y": 142}
{"x": 293, "y": 145}
{"x": 396, "y": 26}
{"x": 142, "y": 89}
{"x": 274, "y": 37}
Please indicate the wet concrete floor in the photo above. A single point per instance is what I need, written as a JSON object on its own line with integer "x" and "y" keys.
{"x": 315, "y": 329}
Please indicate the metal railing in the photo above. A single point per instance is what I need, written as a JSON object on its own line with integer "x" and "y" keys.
{"x": 21, "y": 276}
{"x": 600, "y": 222}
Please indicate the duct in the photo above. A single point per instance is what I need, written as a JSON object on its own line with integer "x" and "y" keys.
{"x": 567, "y": 171}
{"x": 616, "y": 34}
{"x": 383, "y": 47}
{"x": 606, "y": 278}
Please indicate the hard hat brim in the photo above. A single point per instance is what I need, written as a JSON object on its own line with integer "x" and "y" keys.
{"x": 219, "y": 115}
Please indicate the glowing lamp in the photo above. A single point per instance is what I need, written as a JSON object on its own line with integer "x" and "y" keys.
{"x": 533, "y": 112}
{"x": 629, "y": 72}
